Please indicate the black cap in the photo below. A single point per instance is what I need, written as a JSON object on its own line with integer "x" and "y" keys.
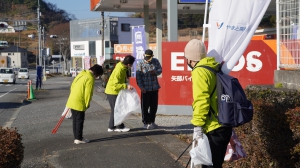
{"x": 148, "y": 53}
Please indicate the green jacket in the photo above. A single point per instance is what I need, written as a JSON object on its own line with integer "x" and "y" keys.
{"x": 81, "y": 91}
{"x": 117, "y": 80}
{"x": 204, "y": 82}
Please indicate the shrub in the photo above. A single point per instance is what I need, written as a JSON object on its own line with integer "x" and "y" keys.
{"x": 271, "y": 139}
{"x": 11, "y": 148}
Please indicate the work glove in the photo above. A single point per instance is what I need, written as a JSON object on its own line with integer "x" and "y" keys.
{"x": 198, "y": 133}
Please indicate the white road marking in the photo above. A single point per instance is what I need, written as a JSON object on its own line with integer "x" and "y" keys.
{"x": 8, "y": 92}
{"x": 13, "y": 118}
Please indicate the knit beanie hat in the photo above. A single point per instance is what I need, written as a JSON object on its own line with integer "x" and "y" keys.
{"x": 195, "y": 50}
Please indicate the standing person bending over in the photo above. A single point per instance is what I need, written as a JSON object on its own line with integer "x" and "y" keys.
{"x": 146, "y": 78}
{"x": 203, "y": 84}
{"x": 79, "y": 99}
{"x": 117, "y": 82}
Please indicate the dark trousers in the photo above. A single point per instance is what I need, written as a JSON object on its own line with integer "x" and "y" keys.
{"x": 112, "y": 101}
{"x": 78, "y": 120}
{"x": 218, "y": 141}
{"x": 149, "y": 100}
{"x": 38, "y": 82}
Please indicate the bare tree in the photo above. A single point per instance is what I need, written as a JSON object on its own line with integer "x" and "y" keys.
{"x": 61, "y": 44}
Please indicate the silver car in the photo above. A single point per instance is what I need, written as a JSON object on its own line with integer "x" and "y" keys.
{"x": 23, "y": 73}
{"x": 7, "y": 75}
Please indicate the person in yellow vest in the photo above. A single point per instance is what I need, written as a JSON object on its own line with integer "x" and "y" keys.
{"x": 116, "y": 82}
{"x": 81, "y": 94}
{"x": 205, "y": 98}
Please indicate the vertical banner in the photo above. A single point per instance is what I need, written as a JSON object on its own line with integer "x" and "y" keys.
{"x": 87, "y": 63}
{"x": 232, "y": 25}
{"x": 101, "y": 60}
{"x": 138, "y": 44}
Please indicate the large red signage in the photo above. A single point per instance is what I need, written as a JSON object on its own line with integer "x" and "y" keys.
{"x": 256, "y": 66}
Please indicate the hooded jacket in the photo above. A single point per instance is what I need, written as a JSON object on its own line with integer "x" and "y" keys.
{"x": 203, "y": 83}
{"x": 81, "y": 91}
{"x": 117, "y": 80}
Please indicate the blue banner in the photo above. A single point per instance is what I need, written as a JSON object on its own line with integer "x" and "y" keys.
{"x": 138, "y": 45}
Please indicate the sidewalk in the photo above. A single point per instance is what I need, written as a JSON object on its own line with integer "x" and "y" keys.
{"x": 158, "y": 148}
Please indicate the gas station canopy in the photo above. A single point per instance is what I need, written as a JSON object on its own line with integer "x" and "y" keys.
{"x": 138, "y": 6}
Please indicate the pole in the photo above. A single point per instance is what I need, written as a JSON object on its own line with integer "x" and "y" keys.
{"x": 39, "y": 33}
{"x": 60, "y": 54}
{"x": 102, "y": 14}
{"x": 278, "y": 28}
{"x": 44, "y": 56}
{"x": 204, "y": 26}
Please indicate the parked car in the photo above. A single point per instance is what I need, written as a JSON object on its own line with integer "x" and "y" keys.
{"x": 7, "y": 75}
{"x": 72, "y": 71}
{"x": 23, "y": 73}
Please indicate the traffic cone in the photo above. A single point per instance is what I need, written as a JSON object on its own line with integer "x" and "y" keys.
{"x": 31, "y": 95}
{"x": 28, "y": 90}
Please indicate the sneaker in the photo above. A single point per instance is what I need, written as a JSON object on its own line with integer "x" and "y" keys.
{"x": 155, "y": 125}
{"x": 76, "y": 141}
{"x": 122, "y": 129}
{"x": 145, "y": 126}
{"x": 150, "y": 126}
{"x": 110, "y": 130}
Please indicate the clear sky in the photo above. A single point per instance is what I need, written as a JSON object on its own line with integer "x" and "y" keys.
{"x": 81, "y": 9}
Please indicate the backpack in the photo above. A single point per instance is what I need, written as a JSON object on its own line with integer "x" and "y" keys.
{"x": 233, "y": 106}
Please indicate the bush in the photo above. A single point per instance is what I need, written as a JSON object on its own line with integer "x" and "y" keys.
{"x": 11, "y": 148}
{"x": 271, "y": 139}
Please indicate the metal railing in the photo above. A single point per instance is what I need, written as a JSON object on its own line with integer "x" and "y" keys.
{"x": 288, "y": 34}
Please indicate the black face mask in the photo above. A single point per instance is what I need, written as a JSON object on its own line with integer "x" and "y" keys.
{"x": 189, "y": 65}
{"x": 147, "y": 58}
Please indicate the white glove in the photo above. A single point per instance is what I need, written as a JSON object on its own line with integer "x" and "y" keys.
{"x": 198, "y": 133}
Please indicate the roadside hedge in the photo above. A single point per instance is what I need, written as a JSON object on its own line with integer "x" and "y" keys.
{"x": 11, "y": 148}
{"x": 272, "y": 138}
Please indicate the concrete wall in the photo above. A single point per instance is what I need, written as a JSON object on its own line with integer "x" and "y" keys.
{"x": 288, "y": 78}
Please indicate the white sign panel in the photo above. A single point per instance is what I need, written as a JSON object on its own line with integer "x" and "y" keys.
{"x": 56, "y": 56}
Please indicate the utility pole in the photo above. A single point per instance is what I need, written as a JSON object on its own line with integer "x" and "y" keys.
{"x": 102, "y": 14}
{"x": 39, "y": 33}
{"x": 60, "y": 56}
{"x": 43, "y": 54}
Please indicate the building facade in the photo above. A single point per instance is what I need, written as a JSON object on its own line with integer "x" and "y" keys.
{"x": 92, "y": 40}
{"x": 15, "y": 57}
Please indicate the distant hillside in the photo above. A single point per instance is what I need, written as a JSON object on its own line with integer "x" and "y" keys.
{"x": 26, "y": 10}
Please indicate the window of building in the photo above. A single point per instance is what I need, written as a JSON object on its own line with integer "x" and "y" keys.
{"x": 92, "y": 48}
{"x": 125, "y": 27}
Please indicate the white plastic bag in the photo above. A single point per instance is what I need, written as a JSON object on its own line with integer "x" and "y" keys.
{"x": 201, "y": 154}
{"x": 128, "y": 101}
{"x": 69, "y": 115}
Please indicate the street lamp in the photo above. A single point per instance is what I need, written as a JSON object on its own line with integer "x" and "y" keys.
{"x": 55, "y": 36}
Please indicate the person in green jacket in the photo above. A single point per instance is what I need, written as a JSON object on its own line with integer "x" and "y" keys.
{"x": 81, "y": 94}
{"x": 203, "y": 84}
{"x": 116, "y": 82}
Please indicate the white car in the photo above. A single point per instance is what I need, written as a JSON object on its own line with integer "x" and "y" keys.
{"x": 72, "y": 71}
{"x": 23, "y": 73}
{"x": 7, "y": 75}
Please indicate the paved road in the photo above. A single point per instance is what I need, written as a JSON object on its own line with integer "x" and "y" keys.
{"x": 138, "y": 148}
